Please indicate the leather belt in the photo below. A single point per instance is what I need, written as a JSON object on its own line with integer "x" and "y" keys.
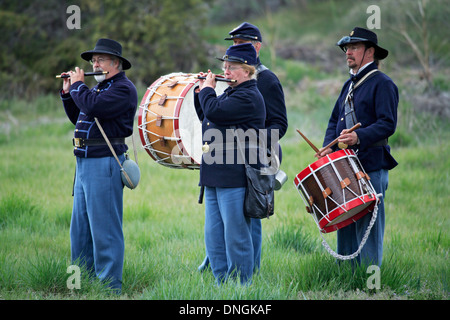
{"x": 80, "y": 142}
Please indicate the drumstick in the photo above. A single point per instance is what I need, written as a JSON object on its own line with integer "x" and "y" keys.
{"x": 97, "y": 73}
{"x": 217, "y": 79}
{"x": 332, "y": 143}
{"x": 309, "y": 142}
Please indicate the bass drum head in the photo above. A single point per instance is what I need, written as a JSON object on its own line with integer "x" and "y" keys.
{"x": 190, "y": 127}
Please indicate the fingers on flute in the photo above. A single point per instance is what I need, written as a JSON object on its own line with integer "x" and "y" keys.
{"x": 78, "y": 70}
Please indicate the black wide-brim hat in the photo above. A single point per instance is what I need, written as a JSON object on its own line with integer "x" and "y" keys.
{"x": 108, "y": 46}
{"x": 242, "y": 53}
{"x": 364, "y": 35}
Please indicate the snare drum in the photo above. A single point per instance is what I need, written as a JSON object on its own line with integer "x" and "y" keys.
{"x": 169, "y": 128}
{"x": 336, "y": 190}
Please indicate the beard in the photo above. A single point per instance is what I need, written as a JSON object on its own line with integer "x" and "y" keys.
{"x": 351, "y": 63}
{"x": 101, "y": 77}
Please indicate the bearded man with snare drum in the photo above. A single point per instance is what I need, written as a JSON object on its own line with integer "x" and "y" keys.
{"x": 374, "y": 104}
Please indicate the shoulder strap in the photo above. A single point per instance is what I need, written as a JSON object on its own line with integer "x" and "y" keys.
{"x": 360, "y": 82}
{"x": 349, "y": 97}
{"x": 364, "y": 79}
{"x": 112, "y": 151}
{"x": 260, "y": 68}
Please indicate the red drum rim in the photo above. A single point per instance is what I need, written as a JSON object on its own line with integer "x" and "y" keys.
{"x": 326, "y": 223}
{"x": 321, "y": 162}
{"x": 141, "y": 120}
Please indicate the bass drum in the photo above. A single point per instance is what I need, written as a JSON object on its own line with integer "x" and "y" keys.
{"x": 169, "y": 128}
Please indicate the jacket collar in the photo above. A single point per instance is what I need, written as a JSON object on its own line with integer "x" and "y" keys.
{"x": 244, "y": 84}
{"x": 363, "y": 71}
{"x": 118, "y": 76}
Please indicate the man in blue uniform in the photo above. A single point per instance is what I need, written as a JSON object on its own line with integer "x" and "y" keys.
{"x": 268, "y": 83}
{"x": 371, "y": 98}
{"x": 276, "y": 117}
{"x": 227, "y": 231}
{"x": 96, "y": 227}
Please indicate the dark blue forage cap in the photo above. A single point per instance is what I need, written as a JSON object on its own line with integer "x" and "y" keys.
{"x": 243, "y": 53}
{"x": 245, "y": 31}
{"x": 363, "y": 35}
{"x": 107, "y": 46}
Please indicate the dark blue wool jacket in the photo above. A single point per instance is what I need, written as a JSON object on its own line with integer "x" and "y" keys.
{"x": 242, "y": 107}
{"x": 272, "y": 92}
{"x": 113, "y": 102}
{"x": 375, "y": 103}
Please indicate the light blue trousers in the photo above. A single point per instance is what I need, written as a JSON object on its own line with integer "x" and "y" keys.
{"x": 349, "y": 238}
{"x": 257, "y": 244}
{"x": 228, "y": 234}
{"x": 96, "y": 235}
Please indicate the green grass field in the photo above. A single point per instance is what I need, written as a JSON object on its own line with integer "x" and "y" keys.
{"x": 163, "y": 223}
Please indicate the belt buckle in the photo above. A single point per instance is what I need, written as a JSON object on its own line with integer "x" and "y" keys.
{"x": 78, "y": 142}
